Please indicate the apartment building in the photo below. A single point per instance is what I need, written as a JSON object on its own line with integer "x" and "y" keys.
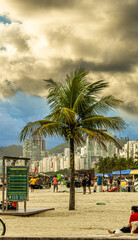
{"x": 130, "y": 149}
{"x": 35, "y": 150}
{"x": 95, "y": 151}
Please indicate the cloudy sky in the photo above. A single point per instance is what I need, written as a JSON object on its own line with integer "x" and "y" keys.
{"x": 50, "y": 38}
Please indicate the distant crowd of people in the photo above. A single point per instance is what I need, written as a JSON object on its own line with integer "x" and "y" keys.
{"x": 87, "y": 181}
{"x": 99, "y": 181}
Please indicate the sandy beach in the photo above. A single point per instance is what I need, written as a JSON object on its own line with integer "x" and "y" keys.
{"x": 88, "y": 218}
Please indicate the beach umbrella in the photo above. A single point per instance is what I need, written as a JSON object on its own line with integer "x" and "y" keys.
{"x": 105, "y": 175}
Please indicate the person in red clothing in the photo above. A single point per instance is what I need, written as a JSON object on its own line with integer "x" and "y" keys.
{"x": 55, "y": 183}
{"x": 133, "y": 218}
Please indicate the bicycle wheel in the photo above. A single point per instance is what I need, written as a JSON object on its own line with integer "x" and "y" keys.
{"x": 2, "y": 227}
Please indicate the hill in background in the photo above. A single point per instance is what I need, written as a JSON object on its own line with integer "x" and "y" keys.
{"x": 17, "y": 151}
{"x": 58, "y": 149}
{"x": 13, "y": 151}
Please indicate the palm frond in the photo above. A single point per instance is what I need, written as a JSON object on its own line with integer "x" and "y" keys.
{"x": 104, "y": 105}
{"x": 51, "y": 129}
{"x": 64, "y": 115}
{"x": 86, "y": 97}
{"x": 113, "y": 123}
{"x": 55, "y": 95}
{"x": 68, "y": 115}
{"x": 32, "y": 127}
{"x": 108, "y": 138}
{"x": 101, "y": 137}
{"x": 97, "y": 87}
{"x": 75, "y": 83}
{"x": 51, "y": 84}
{"x": 81, "y": 101}
{"x": 94, "y": 135}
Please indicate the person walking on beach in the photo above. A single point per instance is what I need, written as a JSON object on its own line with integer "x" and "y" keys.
{"x": 89, "y": 183}
{"x": 95, "y": 185}
{"x": 118, "y": 184}
{"x": 55, "y": 183}
{"x": 84, "y": 182}
{"x": 32, "y": 182}
{"x": 110, "y": 182}
{"x": 99, "y": 183}
{"x": 133, "y": 218}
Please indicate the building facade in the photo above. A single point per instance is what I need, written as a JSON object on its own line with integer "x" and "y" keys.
{"x": 96, "y": 151}
{"x": 35, "y": 150}
{"x": 130, "y": 149}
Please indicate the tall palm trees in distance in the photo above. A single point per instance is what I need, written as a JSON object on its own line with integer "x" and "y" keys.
{"x": 76, "y": 112}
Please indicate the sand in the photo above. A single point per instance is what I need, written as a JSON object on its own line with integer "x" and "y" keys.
{"x": 87, "y": 219}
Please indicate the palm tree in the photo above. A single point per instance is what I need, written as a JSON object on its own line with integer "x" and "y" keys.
{"x": 76, "y": 112}
{"x": 112, "y": 163}
{"x": 130, "y": 163}
{"x": 102, "y": 165}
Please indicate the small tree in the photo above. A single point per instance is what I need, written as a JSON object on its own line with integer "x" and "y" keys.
{"x": 102, "y": 165}
{"x": 121, "y": 164}
{"x": 130, "y": 163}
{"x": 112, "y": 163}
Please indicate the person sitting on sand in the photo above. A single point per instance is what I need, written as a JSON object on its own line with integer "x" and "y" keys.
{"x": 133, "y": 218}
{"x": 12, "y": 206}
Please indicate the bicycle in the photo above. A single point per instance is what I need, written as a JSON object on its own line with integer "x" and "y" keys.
{"x": 2, "y": 227}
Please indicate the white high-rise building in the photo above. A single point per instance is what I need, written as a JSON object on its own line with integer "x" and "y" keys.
{"x": 67, "y": 162}
{"x": 66, "y": 152}
{"x": 95, "y": 151}
{"x": 62, "y": 162}
{"x": 82, "y": 162}
{"x": 84, "y": 150}
{"x": 131, "y": 149}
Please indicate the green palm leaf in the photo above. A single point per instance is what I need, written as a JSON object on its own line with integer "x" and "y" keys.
{"x": 113, "y": 123}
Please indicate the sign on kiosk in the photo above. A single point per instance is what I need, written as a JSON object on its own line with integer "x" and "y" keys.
{"x": 17, "y": 183}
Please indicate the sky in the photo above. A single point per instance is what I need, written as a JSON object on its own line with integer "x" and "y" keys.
{"x": 51, "y": 38}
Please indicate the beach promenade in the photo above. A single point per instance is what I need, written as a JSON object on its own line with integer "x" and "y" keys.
{"x": 88, "y": 221}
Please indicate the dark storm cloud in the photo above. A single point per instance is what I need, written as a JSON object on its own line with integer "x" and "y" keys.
{"x": 130, "y": 108}
{"x": 57, "y": 36}
{"x": 65, "y": 65}
{"x": 123, "y": 86}
{"x": 126, "y": 18}
{"x": 35, "y": 5}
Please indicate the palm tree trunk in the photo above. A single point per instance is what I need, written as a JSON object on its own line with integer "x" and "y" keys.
{"x": 72, "y": 177}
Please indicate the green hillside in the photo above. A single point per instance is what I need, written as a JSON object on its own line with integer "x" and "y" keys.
{"x": 58, "y": 149}
{"x": 16, "y": 151}
{"x": 13, "y": 151}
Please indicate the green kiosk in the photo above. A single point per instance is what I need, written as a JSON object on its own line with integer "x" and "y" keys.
{"x": 15, "y": 187}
